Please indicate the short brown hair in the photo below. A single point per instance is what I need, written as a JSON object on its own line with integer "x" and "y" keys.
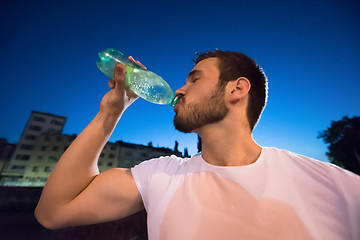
{"x": 233, "y": 65}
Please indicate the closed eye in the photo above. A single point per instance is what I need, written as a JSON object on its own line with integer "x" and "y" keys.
{"x": 194, "y": 75}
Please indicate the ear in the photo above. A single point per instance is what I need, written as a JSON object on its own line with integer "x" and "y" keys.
{"x": 238, "y": 89}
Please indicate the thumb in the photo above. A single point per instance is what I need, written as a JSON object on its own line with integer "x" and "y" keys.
{"x": 119, "y": 76}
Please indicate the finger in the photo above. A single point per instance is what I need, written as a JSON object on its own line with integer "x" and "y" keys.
{"x": 111, "y": 83}
{"x": 137, "y": 62}
{"x": 119, "y": 73}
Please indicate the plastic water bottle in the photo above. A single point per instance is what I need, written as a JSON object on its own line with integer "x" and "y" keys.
{"x": 141, "y": 81}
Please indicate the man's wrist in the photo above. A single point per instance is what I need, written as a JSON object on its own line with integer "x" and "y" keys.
{"x": 107, "y": 119}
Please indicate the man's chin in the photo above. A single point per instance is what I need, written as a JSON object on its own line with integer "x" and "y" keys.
{"x": 184, "y": 128}
{"x": 181, "y": 127}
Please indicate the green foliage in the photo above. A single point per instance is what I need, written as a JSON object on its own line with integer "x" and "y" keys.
{"x": 343, "y": 138}
{"x": 199, "y": 147}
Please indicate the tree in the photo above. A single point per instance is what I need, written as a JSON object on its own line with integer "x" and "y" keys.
{"x": 199, "y": 147}
{"x": 186, "y": 152}
{"x": 176, "y": 147}
{"x": 343, "y": 138}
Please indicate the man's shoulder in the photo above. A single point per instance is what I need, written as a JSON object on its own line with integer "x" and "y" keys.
{"x": 307, "y": 164}
{"x": 286, "y": 155}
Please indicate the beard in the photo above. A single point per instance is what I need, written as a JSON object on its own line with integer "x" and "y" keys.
{"x": 209, "y": 110}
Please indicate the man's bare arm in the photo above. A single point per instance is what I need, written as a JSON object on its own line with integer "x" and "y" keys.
{"x": 75, "y": 193}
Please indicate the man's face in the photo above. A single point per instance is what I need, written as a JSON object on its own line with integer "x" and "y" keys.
{"x": 202, "y": 100}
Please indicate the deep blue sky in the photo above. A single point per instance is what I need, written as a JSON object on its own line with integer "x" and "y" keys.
{"x": 309, "y": 50}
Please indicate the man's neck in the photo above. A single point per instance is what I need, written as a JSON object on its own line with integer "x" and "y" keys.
{"x": 229, "y": 147}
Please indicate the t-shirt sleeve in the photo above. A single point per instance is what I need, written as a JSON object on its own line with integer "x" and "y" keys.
{"x": 152, "y": 176}
{"x": 142, "y": 175}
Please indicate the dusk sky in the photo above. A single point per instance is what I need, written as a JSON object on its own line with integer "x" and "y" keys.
{"x": 309, "y": 50}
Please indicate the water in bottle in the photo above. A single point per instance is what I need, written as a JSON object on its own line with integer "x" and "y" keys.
{"x": 143, "y": 82}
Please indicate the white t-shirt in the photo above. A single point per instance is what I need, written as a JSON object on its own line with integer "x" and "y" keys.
{"x": 280, "y": 196}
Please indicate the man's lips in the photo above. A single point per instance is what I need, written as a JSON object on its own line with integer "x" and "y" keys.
{"x": 176, "y": 108}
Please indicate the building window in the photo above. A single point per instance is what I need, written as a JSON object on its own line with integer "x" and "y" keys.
{"x": 59, "y": 138}
{"x": 102, "y": 155}
{"x": 52, "y": 158}
{"x": 40, "y": 157}
{"x": 17, "y": 167}
{"x": 51, "y": 130}
{"x": 39, "y": 119}
{"x": 35, "y": 128}
{"x": 43, "y": 148}
{"x": 30, "y": 137}
{"x": 26, "y": 147}
{"x": 111, "y": 155}
{"x": 55, "y": 122}
{"x": 48, "y": 169}
{"x": 22, "y": 157}
{"x": 110, "y": 164}
{"x": 35, "y": 169}
{"x": 55, "y": 148}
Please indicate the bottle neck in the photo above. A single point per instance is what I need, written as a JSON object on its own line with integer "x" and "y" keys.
{"x": 174, "y": 101}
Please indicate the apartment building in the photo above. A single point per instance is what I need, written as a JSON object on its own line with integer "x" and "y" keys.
{"x": 47, "y": 151}
{"x": 37, "y": 124}
{"x": 6, "y": 152}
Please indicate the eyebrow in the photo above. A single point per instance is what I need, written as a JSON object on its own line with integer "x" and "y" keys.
{"x": 193, "y": 72}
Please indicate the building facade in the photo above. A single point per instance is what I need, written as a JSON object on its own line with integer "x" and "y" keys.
{"x": 6, "y": 152}
{"x": 47, "y": 151}
{"x": 37, "y": 124}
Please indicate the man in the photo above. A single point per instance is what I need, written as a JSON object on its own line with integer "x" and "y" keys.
{"x": 234, "y": 189}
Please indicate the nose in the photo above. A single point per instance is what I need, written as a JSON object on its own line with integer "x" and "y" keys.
{"x": 180, "y": 91}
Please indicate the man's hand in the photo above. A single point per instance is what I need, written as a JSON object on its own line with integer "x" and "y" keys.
{"x": 119, "y": 97}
